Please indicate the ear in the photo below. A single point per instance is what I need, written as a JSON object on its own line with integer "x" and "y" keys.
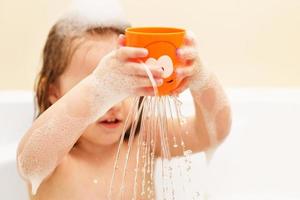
{"x": 54, "y": 93}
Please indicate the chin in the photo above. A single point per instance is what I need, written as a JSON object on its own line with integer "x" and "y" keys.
{"x": 100, "y": 135}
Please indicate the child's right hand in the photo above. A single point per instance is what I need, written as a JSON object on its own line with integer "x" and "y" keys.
{"x": 120, "y": 74}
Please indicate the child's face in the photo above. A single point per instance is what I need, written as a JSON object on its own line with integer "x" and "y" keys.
{"x": 83, "y": 62}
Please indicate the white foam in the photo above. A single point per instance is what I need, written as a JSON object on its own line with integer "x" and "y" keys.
{"x": 201, "y": 77}
{"x": 83, "y": 15}
{"x": 35, "y": 184}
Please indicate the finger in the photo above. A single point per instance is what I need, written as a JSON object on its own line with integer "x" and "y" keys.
{"x": 190, "y": 39}
{"x": 146, "y": 91}
{"x": 187, "y": 53}
{"x": 156, "y": 71}
{"x": 139, "y": 82}
{"x": 185, "y": 71}
{"x": 182, "y": 86}
{"x": 125, "y": 53}
{"x": 138, "y": 69}
{"x": 121, "y": 40}
{"x": 134, "y": 69}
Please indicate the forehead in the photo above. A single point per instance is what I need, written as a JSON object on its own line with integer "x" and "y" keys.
{"x": 89, "y": 52}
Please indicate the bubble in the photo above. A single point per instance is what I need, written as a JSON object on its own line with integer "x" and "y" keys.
{"x": 183, "y": 121}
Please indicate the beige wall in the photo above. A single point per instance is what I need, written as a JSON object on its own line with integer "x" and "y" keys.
{"x": 246, "y": 42}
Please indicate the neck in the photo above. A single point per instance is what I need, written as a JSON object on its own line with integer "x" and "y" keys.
{"x": 90, "y": 150}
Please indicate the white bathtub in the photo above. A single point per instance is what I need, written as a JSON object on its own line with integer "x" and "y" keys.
{"x": 16, "y": 114}
{"x": 258, "y": 161}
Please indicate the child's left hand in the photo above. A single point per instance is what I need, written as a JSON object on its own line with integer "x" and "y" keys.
{"x": 193, "y": 71}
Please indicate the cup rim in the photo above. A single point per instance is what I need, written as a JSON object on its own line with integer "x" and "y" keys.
{"x": 141, "y": 30}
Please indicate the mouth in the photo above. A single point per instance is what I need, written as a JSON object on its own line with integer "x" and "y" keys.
{"x": 170, "y": 81}
{"x": 110, "y": 123}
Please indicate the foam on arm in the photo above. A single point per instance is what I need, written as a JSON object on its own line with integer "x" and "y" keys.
{"x": 55, "y": 132}
{"x": 212, "y": 107}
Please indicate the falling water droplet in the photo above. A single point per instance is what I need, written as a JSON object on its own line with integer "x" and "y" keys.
{"x": 95, "y": 181}
{"x": 187, "y": 152}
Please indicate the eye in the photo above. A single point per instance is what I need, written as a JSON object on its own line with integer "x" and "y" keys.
{"x": 165, "y": 62}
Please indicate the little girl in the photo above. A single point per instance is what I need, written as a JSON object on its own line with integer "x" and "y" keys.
{"x": 84, "y": 92}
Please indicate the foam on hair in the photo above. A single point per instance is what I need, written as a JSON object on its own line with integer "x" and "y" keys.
{"x": 83, "y": 15}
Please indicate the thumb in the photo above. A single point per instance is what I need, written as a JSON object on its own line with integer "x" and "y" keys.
{"x": 121, "y": 40}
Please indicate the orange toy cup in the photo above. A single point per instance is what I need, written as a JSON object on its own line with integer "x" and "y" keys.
{"x": 162, "y": 43}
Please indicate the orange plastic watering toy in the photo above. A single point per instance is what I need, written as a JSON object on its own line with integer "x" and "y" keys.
{"x": 162, "y": 43}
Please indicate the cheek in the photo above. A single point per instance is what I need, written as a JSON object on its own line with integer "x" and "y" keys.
{"x": 127, "y": 104}
{"x": 71, "y": 78}
{"x": 66, "y": 83}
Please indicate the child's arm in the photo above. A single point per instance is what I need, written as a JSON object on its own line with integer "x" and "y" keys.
{"x": 55, "y": 132}
{"x": 212, "y": 120}
{"x": 210, "y": 125}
